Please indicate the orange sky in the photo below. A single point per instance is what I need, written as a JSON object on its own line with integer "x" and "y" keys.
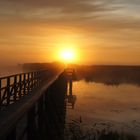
{"x": 103, "y": 31}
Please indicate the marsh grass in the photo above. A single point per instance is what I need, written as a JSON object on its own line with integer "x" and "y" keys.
{"x": 75, "y": 131}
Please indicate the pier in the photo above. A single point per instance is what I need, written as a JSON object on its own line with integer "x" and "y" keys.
{"x": 33, "y": 105}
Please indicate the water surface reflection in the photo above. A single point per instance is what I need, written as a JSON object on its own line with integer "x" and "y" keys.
{"x": 99, "y": 103}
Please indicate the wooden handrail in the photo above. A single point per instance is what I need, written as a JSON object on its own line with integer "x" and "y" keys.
{"x": 18, "y": 85}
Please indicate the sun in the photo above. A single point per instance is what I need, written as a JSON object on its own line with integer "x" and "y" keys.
{"x": 67, "y": 55}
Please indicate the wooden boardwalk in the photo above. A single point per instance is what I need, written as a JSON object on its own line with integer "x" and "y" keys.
{"x": 33, "y": 106}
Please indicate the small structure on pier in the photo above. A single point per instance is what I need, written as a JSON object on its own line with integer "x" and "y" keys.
{"x": 71, "y": 76}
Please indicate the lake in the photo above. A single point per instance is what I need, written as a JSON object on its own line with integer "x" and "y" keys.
{"x": 115, "y": 107}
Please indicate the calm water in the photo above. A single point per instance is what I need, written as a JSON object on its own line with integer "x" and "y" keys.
{"x": 100, "y": 104}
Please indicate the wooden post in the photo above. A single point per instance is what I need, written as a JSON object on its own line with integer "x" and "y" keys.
{"x": 70, "y": 87}
{"x": 15, "y": 88}
{"x": 24, "y": 82}
{"x": 20, "y": 85}
{"x": 32, "y": 82}
{"x": 28, "y": 85}
{"x": 38, "y": 79}
{"x": 8, "y": 90}
{"x": 35, "y": 78}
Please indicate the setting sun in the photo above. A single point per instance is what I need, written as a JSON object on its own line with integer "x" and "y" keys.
{"x": 67, "y": 54}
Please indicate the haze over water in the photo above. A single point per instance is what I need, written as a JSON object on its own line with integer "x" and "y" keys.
{"x": 107, "y": 97}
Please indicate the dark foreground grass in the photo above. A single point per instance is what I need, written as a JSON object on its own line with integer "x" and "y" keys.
{"x": 74, "y": 131}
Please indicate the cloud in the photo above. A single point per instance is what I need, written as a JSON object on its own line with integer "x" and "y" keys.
{"x": 109, "y": 19}
{"x": 103, "y": 14}
{"x": 65, "y": 7}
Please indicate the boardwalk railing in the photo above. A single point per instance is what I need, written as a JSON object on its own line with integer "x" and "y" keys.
{"x": 35, "y": 106}
{"x": 12, "y": 88}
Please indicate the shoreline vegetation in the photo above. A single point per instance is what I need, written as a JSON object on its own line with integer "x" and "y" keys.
{"x": 107, "y": 74}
